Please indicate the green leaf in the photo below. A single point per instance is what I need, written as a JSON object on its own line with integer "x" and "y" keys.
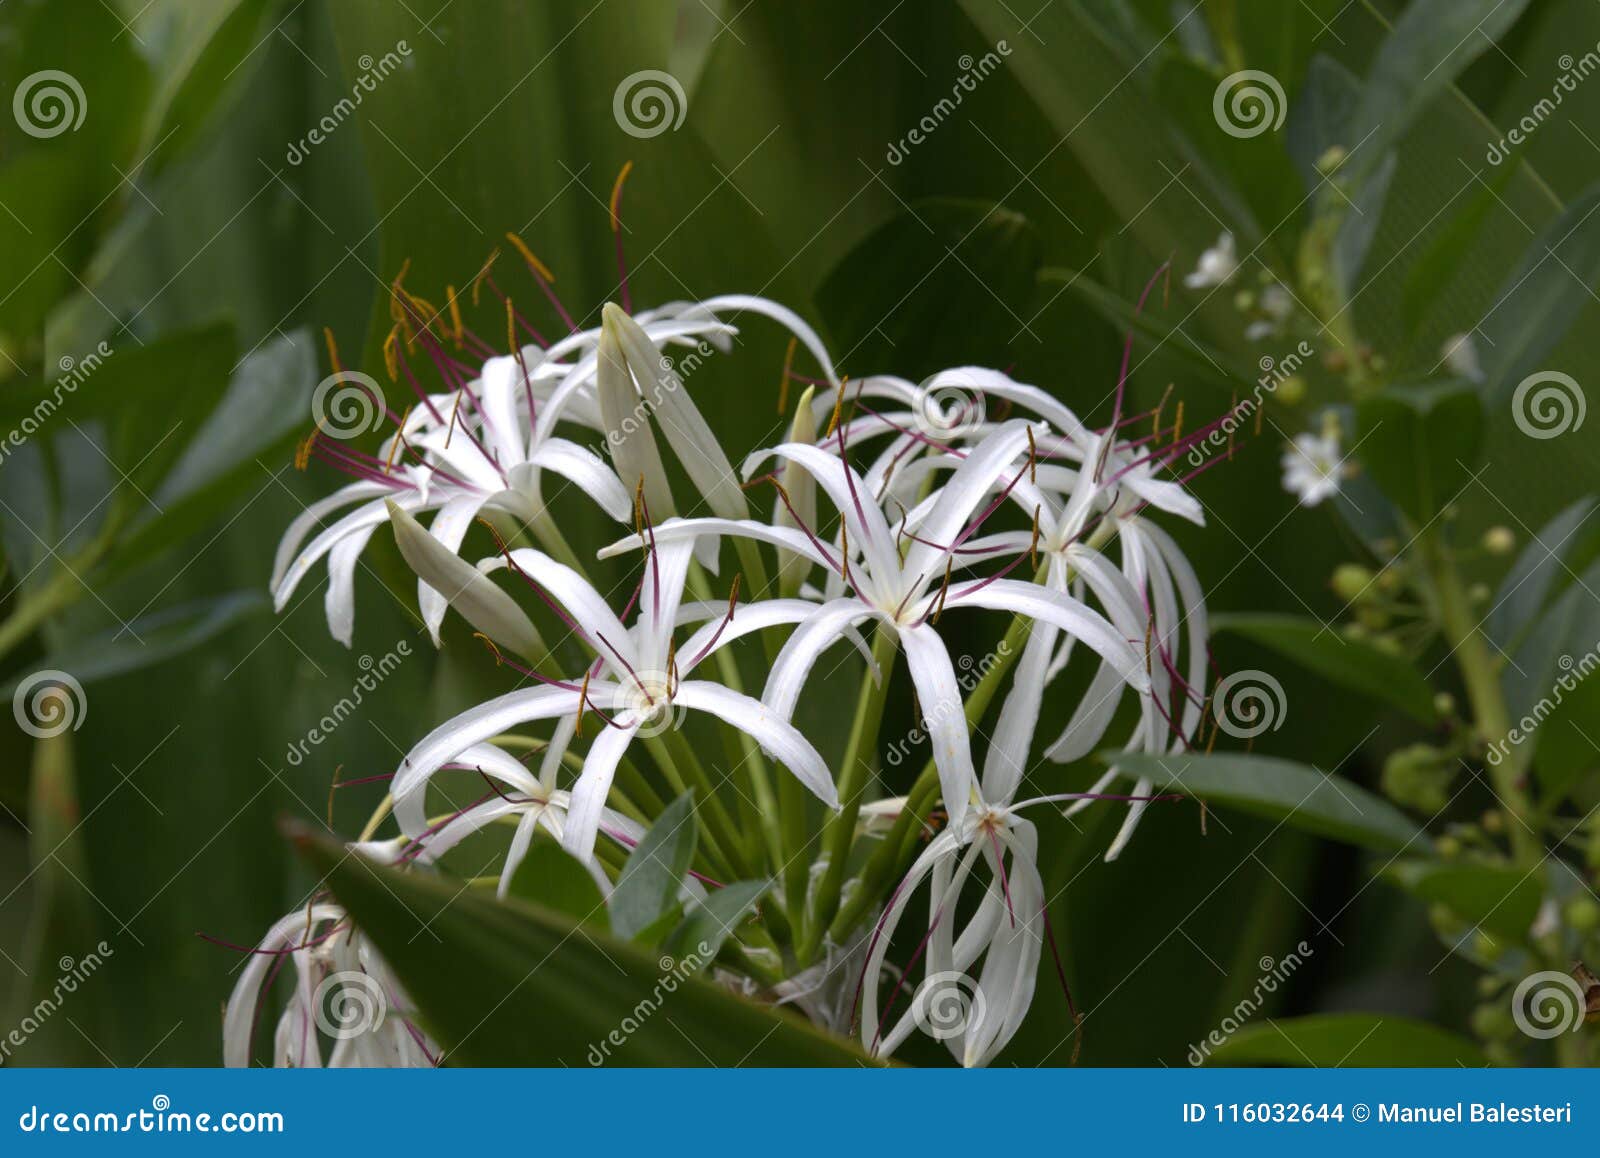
{"x": 1419, "y": 443}
{"x": 1432, "y": 42}
{"x": 1320, "y": 118}
{"x": 208, "y": 44}
{"x": 1353, "y": 664}
{"x": 1295, "y": 794}
{"x": 1541, "y": 298}
{"x": 1348, "y": 1040}
{"x": 654, "y": 872}
{"x": 149, "y": 639}
{"x": 250, "y": 431}
{"x": 970, "y": 309}
{"x": 713, "y": 920}
{"x": 1539, "y": 674}
{"x": 1499, "y": 898}
{"x": 1441, "y": 260}
{"x": 515, "y": 984}
{"x": 65, "y": 926}
{"x": 552, "y": 877}
{"x": 1540, "y": 570}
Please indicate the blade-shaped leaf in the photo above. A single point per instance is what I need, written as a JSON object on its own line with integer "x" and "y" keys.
{"x": 648, "y": 887}
{"x": 1348, "y": 1039}
{"x": 1350, "y": 663}
{"x": 1419, "y": 443}
{"x": 1295, "y": 794}
{"x": 1499, "y": 898}
{"x": 514, "y": 984}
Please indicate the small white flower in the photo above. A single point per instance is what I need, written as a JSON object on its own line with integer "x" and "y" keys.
{"x": 1460, "y": 354}
{"x": 1276, "y": 304}
{"x": 1216, "y": 266}
{"x": 1313, "y": 467}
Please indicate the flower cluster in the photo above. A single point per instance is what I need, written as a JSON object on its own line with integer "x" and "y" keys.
{"x": 893, "y": 505}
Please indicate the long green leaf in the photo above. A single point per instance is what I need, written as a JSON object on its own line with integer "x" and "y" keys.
{"x": 1348, "y": 1040}
{"x": 1295, "y": 794}
{"x": 514, "y": 984}
{"x": 1350, "y": 663}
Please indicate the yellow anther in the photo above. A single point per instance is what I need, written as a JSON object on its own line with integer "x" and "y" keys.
{"x": 528, "y": 256}
{"x": 616, "y": 195}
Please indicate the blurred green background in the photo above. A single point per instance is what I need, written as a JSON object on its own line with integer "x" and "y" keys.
{"x": 191, "y": 224}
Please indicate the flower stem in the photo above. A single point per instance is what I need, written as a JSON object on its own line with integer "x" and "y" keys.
{"x": 1480, "y": 675}
{"x": 859, "y": 763}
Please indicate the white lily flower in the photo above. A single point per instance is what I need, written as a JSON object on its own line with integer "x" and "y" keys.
{"x": 978, "y": 1015}
{"x": 1216, "y": 266}
{"x": 486, "y": 442}
{"x": 903, "y": 594}
{"x": 335, "y": 969}
{"x": 639, "y": 678}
